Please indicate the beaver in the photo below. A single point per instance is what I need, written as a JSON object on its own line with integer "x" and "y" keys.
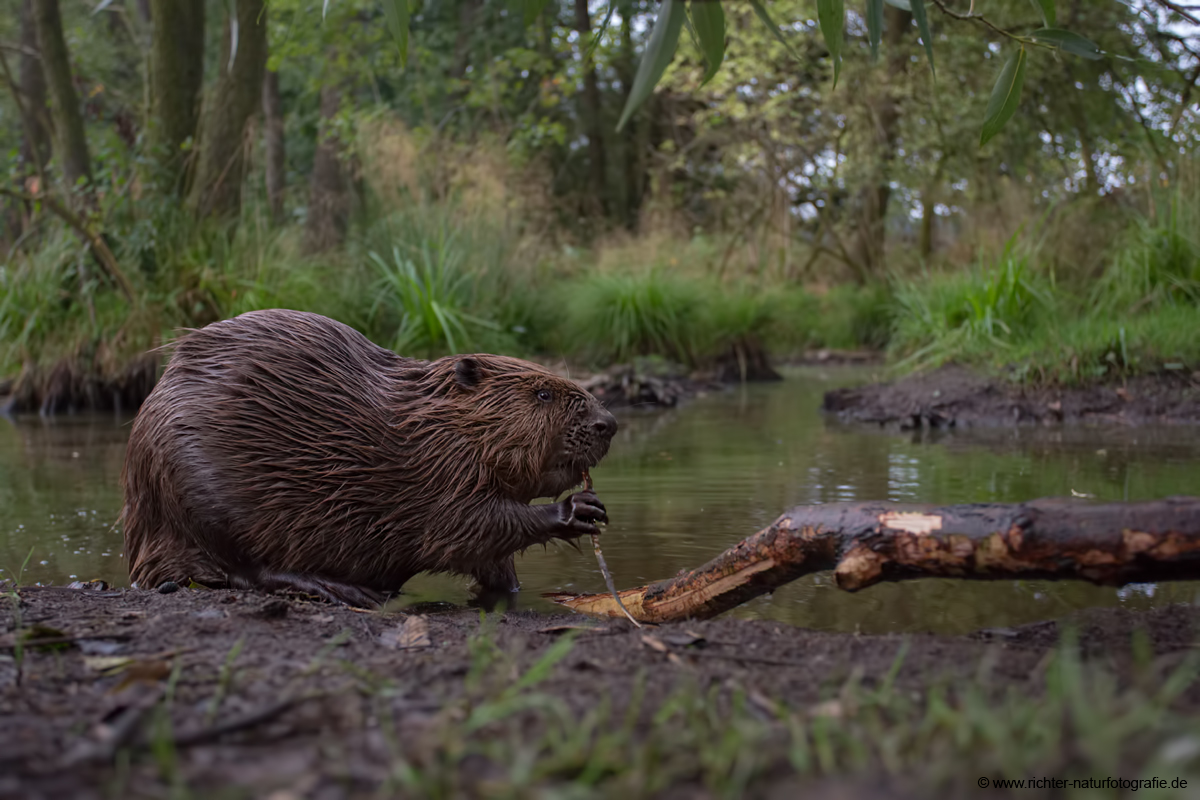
{"x": 284, "y": 450}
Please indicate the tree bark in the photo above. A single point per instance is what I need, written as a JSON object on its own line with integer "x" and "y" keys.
{"x": 634, "y": 167}
{"x": 31, "y": 82}
{"x": 462, "y": 38}
{"x": 329, "y": 198}
{"x": 68, "y": 120}
{"x": 217, "y": 185}
{"x": 273, "y": 131}
{"x": 590, "y": 112}
{"x": 865, "y": 543}
{"x": 176, "y": 75}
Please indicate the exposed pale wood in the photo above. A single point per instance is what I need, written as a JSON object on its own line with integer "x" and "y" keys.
{"x": 865, "y": 543}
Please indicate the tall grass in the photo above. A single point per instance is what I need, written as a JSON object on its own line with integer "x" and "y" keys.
{"x": 614, "y": 317}
{"x": 985, "y": 309}
{"x": 1157, "y": 264}
{"x": 427, "y": 295}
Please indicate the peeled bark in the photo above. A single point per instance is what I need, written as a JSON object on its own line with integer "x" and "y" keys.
{"x": 275, "y": 152}
{"x": 217, "y": 185}
{"x": 176, "y": 75}
{"x": 68, "y": 120}
{"x": 329, "y": 197}
{"x": 590, "y": 111}
{"x": 865, "y": 543}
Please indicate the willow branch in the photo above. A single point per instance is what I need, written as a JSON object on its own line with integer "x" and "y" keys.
{"x": 865, "y": 543}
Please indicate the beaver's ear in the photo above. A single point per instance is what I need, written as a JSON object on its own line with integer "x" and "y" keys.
{"x": 468, "y": 373}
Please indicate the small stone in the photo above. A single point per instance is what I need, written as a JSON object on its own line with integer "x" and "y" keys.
{"x": 168, "y": 587}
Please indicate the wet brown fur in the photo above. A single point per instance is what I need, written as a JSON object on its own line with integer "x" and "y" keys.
{"x": 284, "y": 450}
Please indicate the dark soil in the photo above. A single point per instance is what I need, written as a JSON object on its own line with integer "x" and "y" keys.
{"x": 957, "y": 397}
{"x": 310, "y": 696}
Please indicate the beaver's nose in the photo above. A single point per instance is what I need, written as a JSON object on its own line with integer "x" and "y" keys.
{"x": 605, "y": 424}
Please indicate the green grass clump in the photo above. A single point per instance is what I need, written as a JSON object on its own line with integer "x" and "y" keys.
{"x": 614, "y": 317}
{"x": 968, "y": 314}
{"x": 851, "y": 316}
{"x": 1157, "y": 265}
{"x": 530, "y": 730}
{"x": 427, "y": 296}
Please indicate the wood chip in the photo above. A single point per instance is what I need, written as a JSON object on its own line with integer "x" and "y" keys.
{"x": 410, "y": 634}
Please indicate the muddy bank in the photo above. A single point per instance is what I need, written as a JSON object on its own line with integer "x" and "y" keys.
{"x": 136, "y": 694}
{"x": 957, "y": 397}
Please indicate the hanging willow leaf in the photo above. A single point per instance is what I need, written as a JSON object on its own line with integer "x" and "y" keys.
{"x": 1005, "y": 96}
{"x": 659, "y": 52}
{"x": 918, "y": 12}
{"x": 708, "y": 19}
{"x": 1046, "y": 9}
{"x": 875, "y": 25}
{"x": 1069, "y": 43}
{"x": 396, "y": 12}
{"x": 831, "y": 15}
{"x": 771, "y": 26}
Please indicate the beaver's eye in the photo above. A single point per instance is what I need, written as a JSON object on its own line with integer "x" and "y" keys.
{"x": 545, "y": 395}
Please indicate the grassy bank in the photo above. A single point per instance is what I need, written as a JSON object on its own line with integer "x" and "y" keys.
{"x": 455, "y": 276}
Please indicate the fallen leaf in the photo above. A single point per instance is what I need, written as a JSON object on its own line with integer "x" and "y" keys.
{"x": 412, "y": 632}
{"x": 142, "y": 672}
{"x": 108, "y": 664}
{"x": 831, "y": 709}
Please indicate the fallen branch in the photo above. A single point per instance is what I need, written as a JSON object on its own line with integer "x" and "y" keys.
{"x": 100, "y": 248}
{"x": 865, "y": 543}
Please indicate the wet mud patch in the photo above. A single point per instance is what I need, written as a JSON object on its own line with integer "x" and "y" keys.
{"x": 954, "y": 396}
{"x": 236, "y": 694}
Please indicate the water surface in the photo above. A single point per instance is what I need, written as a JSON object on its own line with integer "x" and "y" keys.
{"x": 681, "y": 486}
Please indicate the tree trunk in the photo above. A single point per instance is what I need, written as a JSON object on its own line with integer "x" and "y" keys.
{"x": 176, "y": 75}
{"x": 633, "y": 168}
{"x": 590, "y": 112}
{"x": 875, "y": 194}
{"x": 329, "y": 198}
{"x": 35, "y": 139}
{"x": 865, "y": 543}
{"x": 462, "y": 39}
{"x": 217, "y": 185}
{"x": 273, "y": 128}
{"x": 68, "y": 121}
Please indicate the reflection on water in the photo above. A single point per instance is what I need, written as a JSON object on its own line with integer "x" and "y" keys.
{"x": 681, "y": 486}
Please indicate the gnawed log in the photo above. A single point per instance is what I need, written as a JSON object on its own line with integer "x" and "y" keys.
{"x": 865, "y": 543}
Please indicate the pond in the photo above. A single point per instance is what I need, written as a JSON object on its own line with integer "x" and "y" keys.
{"x": 682, "y": 485}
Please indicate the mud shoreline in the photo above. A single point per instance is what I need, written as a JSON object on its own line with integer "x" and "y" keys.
{"x": 956, "y": 397}
{"x": 239, "y": 694}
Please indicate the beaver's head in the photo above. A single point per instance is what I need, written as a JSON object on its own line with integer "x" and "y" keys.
{"x": 534, "y": 431}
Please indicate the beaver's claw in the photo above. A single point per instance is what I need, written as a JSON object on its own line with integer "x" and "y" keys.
{"x": 580, "y": 513}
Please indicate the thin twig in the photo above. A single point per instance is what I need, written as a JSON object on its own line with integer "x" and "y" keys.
{"x": 250, "y": 720}
{"x": 608, "y": 580}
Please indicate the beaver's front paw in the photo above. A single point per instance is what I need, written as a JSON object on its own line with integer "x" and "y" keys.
{"x": 579, "y": 514}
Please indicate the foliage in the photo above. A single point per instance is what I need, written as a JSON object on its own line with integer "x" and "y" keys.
{"x": 941, "y": 317}
{"x": 617, "y": 316}
{"x": 427, "y": 292}
{"x": 1074, "y": 719}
